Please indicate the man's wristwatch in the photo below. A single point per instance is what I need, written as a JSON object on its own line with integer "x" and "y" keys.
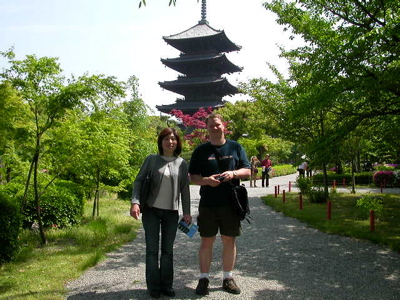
{"x": 234, "y": 174}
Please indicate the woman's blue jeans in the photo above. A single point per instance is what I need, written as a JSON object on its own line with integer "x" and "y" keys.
{"x": 159, "y": 275}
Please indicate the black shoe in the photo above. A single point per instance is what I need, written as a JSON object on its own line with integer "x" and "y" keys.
{"x": 230, "y": 286}
{"x": 202, "y": 287}
{"x": 155, "y": 294}
{"x": 168, "y": 292}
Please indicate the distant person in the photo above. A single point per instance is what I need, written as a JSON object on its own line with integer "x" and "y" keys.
{"x": 254, "y": 162}
{"x": 169, "y": 186}
{"x": 266, "y": 166}
{"x": 213, "y": 166}
{"x": 308, "y": 170}
{"x": 302, "y": 169}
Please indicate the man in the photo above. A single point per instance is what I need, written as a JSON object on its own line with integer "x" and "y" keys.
{"x": 302, "y": 169}
{"x": 213, "y": 166}
{"x": 266, "y": 165}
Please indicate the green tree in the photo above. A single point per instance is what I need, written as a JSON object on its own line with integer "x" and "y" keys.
{"x": 345, "y": 75}
{"x": 14, "y": 130}
{"x": 42, "y": 86}
{"x": 246, "y": 119}
{"x": 105, "y": 153}
{"x": 352, "y": 50}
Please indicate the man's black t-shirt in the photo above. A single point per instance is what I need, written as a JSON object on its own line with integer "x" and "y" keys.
{"x": 208, "y": 160}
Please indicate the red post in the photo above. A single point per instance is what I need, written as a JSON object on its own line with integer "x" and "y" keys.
{"x": 372, "y": 220}
{"x": 290, "y": 186}
{"x": 301, "y": 202}
{"x": 328, "y": 210}
{"x": 283, "y": 196}
{"x": 334, "y": 184}
{"x": 276, "y": 191}
{"x": 279, "y": 189}
{"x": 344, "y": 182}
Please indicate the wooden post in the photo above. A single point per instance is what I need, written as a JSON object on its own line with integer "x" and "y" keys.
{"x": 283, "y": 196}
{"x": 279, "y": 187}
{"x": 334, "y": 184}
{"x": 372, "y": 220}
{"x": 276, "y": 191}
{"x": 328, "y": 210}
{"x": 301, "y": 201}
{"x": 290, "y": 186}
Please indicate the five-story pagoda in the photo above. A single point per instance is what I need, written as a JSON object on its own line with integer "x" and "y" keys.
{"x": 202, "y": 63}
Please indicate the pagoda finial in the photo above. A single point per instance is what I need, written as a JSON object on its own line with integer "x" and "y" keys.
{"x": 203, "y": 12}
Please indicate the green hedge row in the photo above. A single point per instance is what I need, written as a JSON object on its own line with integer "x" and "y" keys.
{"x": 10, "y": 226}
{"x": 61, "y": 205}
{"x": 364, "y": 178}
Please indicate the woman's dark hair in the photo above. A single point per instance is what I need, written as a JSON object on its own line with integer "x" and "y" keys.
{"x": 163, "y": 134}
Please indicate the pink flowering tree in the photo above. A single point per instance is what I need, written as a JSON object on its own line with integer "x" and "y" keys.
{"x": 195, "y": 126}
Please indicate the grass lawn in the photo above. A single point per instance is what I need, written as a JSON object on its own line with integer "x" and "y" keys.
{"x": 346, "y": 218}
{"x": 41, "y": 272}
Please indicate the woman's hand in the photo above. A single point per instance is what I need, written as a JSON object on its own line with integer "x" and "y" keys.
{"x": 187, "y": 219}
{"x": 135, "y": 211}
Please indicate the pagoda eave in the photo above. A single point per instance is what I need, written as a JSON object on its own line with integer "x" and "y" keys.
{"x": 189, "y": 63}
{"x": 183, "y": 87}
{"x": 189, "y": 107}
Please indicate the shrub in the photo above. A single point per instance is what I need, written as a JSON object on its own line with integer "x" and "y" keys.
{"x": 10, "y": 224}
{"x": 317, "y": 195}
{"x": 281, "y": 170}
{"x": 386, "y": 167}
{"x": 304, "y": 185}
{"x": 390, "y": 178}
{"x": 61, "y": 205}
{"x": 126, "y": 192}
{"x": 360, "y": 178}
{"x": 367, "y": 203}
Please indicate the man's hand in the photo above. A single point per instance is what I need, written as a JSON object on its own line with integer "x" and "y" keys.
{"x": 214, "y": 180}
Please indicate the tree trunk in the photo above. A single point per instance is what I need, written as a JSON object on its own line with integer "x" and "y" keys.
{"x": 28, "y": 180}
{"x": 36, "y": 191}
{"x": 96, "y": 196}
{"x": 94, "y": 205}
{"x": 324, "y": 170}
{"x": 8, "y": 176}
{"x": 353, "y": 177}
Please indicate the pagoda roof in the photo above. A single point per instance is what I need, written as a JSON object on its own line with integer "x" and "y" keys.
{"x": 201, "y": 85}
{"x": 184, "y": 63}
{"x": 189, "y": 107}
{"x": 200, "y": 38}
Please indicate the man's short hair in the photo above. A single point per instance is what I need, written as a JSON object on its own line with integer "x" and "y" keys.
{"x": 214, "y": 116}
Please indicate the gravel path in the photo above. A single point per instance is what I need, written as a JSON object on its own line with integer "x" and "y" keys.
{"x": 278, "y": 258}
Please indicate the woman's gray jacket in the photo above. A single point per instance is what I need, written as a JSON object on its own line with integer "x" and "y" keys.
{"x": 179, "y": 176}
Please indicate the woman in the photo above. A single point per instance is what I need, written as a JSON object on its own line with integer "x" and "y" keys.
{"x": 169, "y": 184}
{"x": 254, "y": 162}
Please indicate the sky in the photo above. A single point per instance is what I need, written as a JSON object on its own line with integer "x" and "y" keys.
{"x": 116, "y": 38}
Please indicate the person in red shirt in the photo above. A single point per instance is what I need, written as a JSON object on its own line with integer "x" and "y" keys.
{"x": 266, "y": 165}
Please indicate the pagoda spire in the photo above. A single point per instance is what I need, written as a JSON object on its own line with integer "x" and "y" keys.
{"x": 203, "y": 12}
